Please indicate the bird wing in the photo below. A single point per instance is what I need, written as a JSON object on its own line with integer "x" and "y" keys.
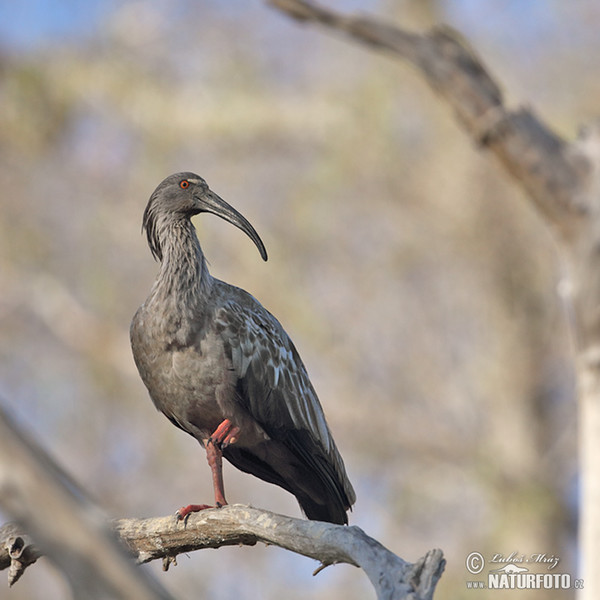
{"x": 278, "y": 391}
{"x": 275, "y": 388}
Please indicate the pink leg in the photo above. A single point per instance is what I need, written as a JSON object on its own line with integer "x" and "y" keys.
{"x": 223, "y": 435}
{"x": 215, "y": 461}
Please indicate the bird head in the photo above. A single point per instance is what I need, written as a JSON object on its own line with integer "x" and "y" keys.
{"x": 184, "y": 195}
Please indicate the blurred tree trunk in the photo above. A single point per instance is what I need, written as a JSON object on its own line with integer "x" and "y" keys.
{"x": 562, "y": 180}
{"x": 69, "y": 529}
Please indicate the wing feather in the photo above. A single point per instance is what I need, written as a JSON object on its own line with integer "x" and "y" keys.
{"x": 265, "y": 359}
{"x": 275, "y": 386}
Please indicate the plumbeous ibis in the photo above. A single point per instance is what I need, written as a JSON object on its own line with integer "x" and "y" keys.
{"x": 223, "y": 369}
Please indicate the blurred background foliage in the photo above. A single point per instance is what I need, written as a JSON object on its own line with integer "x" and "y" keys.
{"x": 421, "y": 289}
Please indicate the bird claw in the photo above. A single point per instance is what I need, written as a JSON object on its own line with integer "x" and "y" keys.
{"x": 184, "y": 512}
{"x": 224, "y": 435}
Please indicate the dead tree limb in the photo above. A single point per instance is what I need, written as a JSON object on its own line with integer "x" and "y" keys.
{"x": 561, "y": 178}
{"x": 165, "y": 538}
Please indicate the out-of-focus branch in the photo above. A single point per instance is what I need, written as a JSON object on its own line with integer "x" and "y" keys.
{"x": 164, "y": 538}
{"x": 539, "y": 160}
{"x": 69, "y": 529}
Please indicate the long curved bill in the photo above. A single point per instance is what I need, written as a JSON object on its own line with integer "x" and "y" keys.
{"x": 212, "y": 203}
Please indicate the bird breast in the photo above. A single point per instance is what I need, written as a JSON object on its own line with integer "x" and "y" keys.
{"x": 173, "y": 362}
{"x": 193, "y": 384}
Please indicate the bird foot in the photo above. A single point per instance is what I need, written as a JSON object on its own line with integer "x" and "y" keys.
{"x": 184, "y": 512}
{"x": 224, "y": 435}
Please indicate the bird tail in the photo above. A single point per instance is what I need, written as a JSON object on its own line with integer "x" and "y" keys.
{"x": 332, "y": 511}
{"x": 322, "y": 497}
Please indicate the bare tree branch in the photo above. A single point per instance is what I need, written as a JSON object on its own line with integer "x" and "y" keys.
{"x": 17, "y": 551}
{"x": 538, "y": 159}
{"x": 164, "y": 538}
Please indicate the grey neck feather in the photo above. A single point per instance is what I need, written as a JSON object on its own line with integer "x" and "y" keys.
{"x": 183, "y": 281}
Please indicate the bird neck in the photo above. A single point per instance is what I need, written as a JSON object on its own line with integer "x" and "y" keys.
{"x": 183, "y": 278}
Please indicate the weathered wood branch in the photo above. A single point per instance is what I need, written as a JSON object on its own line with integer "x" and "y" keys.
{"x": 164, "y": 538}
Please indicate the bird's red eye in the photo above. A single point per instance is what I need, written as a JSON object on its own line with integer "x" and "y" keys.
{"x": 184, "y": 184}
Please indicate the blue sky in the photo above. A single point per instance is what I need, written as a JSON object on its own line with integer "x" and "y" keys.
{"x": 28, "y": 23}
{"x": 25, "y": 24}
